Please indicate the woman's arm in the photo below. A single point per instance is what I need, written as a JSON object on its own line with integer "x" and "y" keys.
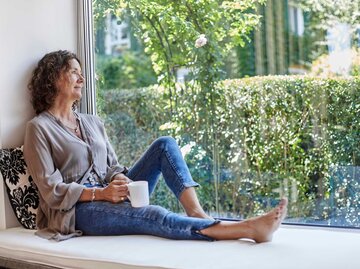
{"x": 113, "y": 193}
{"x": 38, "y": 156}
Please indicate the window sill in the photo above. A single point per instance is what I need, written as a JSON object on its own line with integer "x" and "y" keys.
{"x": 292, "y": 247}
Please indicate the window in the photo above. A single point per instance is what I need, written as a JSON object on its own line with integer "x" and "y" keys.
{"x": 263, "y": 137}
{"x": 296, "y": 21}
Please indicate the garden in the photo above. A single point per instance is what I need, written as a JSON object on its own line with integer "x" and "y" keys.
{"x": 248, "y": 141}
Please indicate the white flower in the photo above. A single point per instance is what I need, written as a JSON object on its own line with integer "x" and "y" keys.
{"x": 201, "y": 41}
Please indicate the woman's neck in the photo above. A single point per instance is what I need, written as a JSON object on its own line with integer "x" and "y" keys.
{"x": 62, "y": 112}
{"x": 68, "y": 119}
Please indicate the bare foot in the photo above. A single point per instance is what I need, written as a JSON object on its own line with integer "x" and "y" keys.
{"x": 260, "y": 229}
{"x": 264, "y": 226}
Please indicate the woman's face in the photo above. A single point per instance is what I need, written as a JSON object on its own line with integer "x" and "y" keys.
{"x": 70, "y": 82}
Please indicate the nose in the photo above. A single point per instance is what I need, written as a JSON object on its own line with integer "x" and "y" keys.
{"x": 81, "y": 78}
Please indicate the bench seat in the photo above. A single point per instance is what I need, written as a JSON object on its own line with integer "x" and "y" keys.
{"x": 293, "y": 247}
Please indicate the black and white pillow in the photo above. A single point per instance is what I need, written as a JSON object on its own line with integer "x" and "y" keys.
{"x": 21, "y": 189}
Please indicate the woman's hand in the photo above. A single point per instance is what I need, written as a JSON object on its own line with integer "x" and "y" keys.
{"x": 117, "y": 190}
{"x": 122, "y": 178}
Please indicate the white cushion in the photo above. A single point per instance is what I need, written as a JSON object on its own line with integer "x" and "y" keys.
{"x": 295, "y": 248}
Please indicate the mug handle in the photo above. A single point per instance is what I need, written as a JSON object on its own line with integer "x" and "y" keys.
{"x": 128, "y": 196}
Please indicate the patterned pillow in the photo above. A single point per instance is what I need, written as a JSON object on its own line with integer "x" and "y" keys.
{"x": 21, "y": 189}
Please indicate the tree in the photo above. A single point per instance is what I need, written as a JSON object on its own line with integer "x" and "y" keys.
{"x": 169, "y": 29}
{"x": 129, "y": 71}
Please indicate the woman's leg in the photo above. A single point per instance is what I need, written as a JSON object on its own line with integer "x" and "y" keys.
{"x": 191, "y": 204}
{"x": 104, "y": 218}
{"x": 164, "y": 156}
{"x": 260, "y": 229}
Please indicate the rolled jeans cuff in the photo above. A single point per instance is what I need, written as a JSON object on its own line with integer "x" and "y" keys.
{"x": 197, "y": 232}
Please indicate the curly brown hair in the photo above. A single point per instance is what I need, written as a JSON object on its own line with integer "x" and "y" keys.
{"x": 42, "y": 85}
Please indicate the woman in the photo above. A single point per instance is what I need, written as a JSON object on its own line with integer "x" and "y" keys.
{"x": 82, "y": 187}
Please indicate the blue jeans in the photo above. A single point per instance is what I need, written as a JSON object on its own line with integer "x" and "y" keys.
{"x": 105, "y": 218}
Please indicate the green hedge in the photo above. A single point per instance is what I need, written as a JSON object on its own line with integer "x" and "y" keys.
{"x": 265, "y": 137}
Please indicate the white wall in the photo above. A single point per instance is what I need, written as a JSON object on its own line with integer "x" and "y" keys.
{"x": 28, "y": 30}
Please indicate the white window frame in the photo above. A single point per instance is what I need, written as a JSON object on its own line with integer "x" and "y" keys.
{"x": 85, "y": 52}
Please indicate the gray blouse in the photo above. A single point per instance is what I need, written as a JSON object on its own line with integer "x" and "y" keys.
{"x": 59, "y": 163}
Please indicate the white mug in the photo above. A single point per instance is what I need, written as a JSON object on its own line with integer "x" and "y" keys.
{"x": 138, "y": 193}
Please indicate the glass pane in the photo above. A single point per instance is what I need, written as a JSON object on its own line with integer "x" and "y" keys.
{"x": 249, "y": 137}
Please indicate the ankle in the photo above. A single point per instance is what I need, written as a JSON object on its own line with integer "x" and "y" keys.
{"x": 248, "y": 229}
{"x": 197, "y": 213}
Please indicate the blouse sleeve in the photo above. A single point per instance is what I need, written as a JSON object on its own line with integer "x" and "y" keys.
{"x": 37, "y": 153}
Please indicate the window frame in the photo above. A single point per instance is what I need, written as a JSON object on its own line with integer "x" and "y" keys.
{"x": 85, "y": 52}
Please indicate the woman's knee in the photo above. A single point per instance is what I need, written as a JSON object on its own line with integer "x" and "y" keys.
{"x": 155, "y": 212}
{"x": 164, "y": 142}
